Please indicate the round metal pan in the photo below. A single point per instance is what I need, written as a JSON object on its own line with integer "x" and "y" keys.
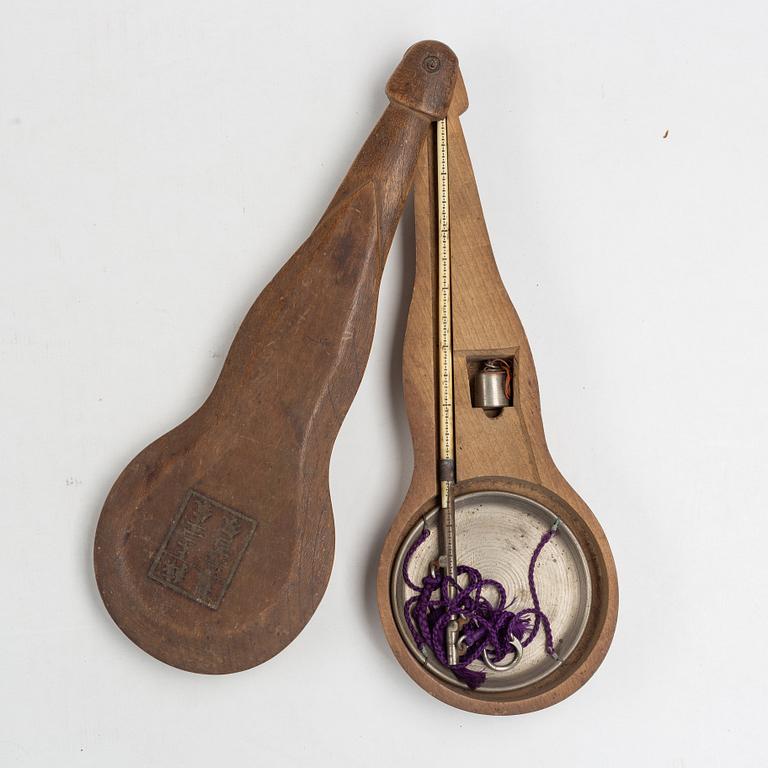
{"x": 496, "y": 532}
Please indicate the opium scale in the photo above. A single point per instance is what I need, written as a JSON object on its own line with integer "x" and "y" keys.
{"x": 496, "y": 586}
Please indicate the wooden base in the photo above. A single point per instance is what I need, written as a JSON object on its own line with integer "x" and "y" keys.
{"x": 508, "y": 452}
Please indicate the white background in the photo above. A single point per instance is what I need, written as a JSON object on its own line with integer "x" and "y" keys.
{"x": 160, "y": 161}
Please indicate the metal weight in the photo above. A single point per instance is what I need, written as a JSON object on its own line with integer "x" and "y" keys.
{"x": 490, "y": 387}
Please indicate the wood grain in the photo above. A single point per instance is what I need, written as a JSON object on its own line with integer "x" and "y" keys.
{"x": 507, "y": 453}
{"x": 215, "y": 544}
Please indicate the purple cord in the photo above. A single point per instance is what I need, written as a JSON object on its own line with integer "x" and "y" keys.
{"x": 484, "y": 626}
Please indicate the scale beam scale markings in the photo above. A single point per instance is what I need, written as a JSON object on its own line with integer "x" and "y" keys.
{"x": 448, "y": 560}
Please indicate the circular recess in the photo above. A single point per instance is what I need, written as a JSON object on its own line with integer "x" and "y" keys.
{"x": 496, "y": 532}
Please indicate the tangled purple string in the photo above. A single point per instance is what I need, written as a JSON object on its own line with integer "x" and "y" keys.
{"x": 485, "y": 627}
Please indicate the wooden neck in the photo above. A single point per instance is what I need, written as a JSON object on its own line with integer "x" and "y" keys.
{"x": 386, "y": 162}
{"x": 420, "y": 90}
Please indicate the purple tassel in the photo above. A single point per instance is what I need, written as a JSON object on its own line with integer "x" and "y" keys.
{"x": 486, "y": 627}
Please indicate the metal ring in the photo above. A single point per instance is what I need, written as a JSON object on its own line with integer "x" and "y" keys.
{"x": 517, "y": 648}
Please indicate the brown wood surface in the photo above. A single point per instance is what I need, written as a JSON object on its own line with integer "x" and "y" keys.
{"x": 505, "y": 453}
{"x": 216, "y": 542}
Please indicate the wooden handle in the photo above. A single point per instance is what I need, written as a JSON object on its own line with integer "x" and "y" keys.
{"x": 420, "y": 91}
{"x": 215, "y": 544}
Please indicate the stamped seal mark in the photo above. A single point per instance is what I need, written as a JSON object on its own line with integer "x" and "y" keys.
{"x": 202, "y": 549}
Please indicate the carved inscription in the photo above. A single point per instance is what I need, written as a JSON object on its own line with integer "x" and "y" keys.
{"x": 202, "y": 550}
